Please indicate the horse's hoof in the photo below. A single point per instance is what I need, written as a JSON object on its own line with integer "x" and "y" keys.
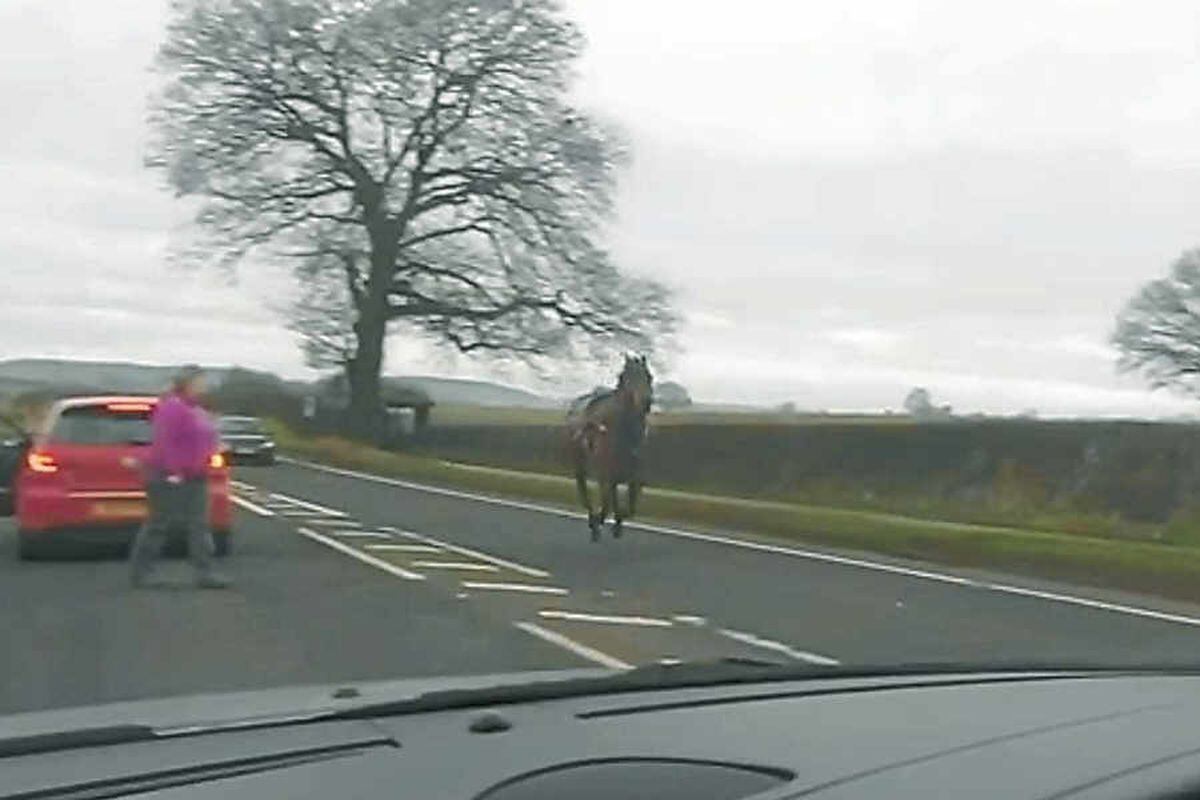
{"x": 617, "y": 530}
{"x": 595, "y": 534}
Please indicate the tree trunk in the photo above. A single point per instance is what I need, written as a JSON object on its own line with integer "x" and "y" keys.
{"x": 366, "y": 410}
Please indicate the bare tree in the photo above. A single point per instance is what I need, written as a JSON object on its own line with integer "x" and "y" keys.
{"x": 1158, "y": 330}
{"x": 419, "y": 158}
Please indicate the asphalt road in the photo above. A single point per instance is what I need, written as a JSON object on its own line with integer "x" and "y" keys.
{"x": 340, "y": 577}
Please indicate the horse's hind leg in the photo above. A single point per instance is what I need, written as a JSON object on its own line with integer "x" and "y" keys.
{"x": 585, "y": 497}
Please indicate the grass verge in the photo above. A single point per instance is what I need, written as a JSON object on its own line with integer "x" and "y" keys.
{"x": 1165, "y": 570}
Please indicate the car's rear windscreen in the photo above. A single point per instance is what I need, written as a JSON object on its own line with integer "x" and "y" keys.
{"x": 103, "y": 425}
{"x": 240, "y": 426}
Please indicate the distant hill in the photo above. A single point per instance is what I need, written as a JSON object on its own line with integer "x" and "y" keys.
{"x": 466, "y": 392}
{"x": 67, "y": 376}
{"x": 64, "y": 376}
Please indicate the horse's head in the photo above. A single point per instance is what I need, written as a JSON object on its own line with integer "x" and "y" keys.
{"x": 636, "y": 383}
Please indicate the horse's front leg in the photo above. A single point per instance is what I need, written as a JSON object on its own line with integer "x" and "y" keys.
{"x": 585, "y": 497}
{"x": 618, "y": 515}
{"x": 607, "y": 498}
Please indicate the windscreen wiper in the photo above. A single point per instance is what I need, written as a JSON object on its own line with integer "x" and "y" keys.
{"x": 72, "y": 740}
{"x": 731, "y": 672}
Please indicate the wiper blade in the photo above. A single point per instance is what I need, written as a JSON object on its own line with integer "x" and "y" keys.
{"x": 71, "y": 740}
{"x": 733, "y": 672}
{"x": 647, "y": 678}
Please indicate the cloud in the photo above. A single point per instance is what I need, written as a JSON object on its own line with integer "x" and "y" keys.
{"x": 851, "y": 199}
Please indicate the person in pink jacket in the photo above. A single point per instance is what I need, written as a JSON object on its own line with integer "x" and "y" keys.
{"x": 184, "y": 440}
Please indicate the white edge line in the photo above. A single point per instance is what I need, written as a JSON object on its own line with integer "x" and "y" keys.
{"x": 812, "y": 555}
{"x": 355, "y": 533}
{"x": 605, "y": 619}
{"x": 378, "y": 563}
{"x": 779, "y": 647}
{"x": 252, "y": 507}
{"x": 532, "y": 572}
{"x": 529, "y": 588}
{"x": 329, "y": 512}
{"x": 569, "y": 644}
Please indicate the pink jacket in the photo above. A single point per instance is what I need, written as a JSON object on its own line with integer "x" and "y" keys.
{"x": 185, "y": 438}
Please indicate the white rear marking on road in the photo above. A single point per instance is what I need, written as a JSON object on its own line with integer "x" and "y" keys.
{"x": 365, "y": 558}
{"x": 762, "y": 547}
{"x": 252, "y": 507}
{"x": 579, "y": 649}
{"x": 779, "y": 647}
{"x": 464, "y": 566}
{"x": 529, "y": 588}
{"x": 532, "y": 572}
{"x": 605, "y": 619}
{"x": 405, "y": 548}
{"x": 295, "y": 501}
{"x": 335, "y": 523}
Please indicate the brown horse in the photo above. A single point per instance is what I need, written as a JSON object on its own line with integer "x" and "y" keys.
{"x": 605, "y": 432}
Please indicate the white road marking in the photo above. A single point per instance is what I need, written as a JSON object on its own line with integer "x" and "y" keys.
{"x": 365, "y": 558}
{"x": 336, "y": 523}
{"x": 579, "y": 649}
{"x": 295, "y": 501}
{"x": 357, "y": 534}
{"x": 605, "y": 619}
{"x": 405, "y": 548}
{"x": 762, "y": 547}
{"x": 779, "y": 647}
{"x": 529, "y": 588}
{"x": 669, "y": 662}
{"x": 242, "y": 485}
{"x": 687, "y": 619}
{"x": 464, "y": 566}
{"x": 254, "y": 508}
{"x": 532, "y": 572}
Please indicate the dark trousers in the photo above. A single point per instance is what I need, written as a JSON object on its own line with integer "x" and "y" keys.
{"x": 174, "y": 506}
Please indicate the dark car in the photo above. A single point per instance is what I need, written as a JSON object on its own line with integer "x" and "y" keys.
{"x": 247, "y": 441}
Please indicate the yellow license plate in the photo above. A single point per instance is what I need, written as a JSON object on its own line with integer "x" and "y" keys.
{"x": 117, "y": 509}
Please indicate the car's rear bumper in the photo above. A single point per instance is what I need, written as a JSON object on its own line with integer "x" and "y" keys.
{"x": 52, "y": 509}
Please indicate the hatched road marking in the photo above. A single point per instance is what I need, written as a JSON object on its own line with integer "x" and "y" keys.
{"x": 405, "y": 548}
{"x": 529, "y": 588}
{"x": 253, "y": 508}
{"x": 465, "y": 566}
{"x": 532, "y": 572}
{"x": 365, "y": 558}
{"x": 294, "y": 501}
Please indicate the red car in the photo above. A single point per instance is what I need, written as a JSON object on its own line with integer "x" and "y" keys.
{"x": 81, "y": 475}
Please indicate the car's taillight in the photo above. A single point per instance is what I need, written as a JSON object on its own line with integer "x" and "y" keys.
{"x": 218, "y": 461}
{"x": 41, "y": 462}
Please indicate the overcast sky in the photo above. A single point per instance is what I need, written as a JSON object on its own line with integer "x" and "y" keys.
{"x": 851, "y": 198}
